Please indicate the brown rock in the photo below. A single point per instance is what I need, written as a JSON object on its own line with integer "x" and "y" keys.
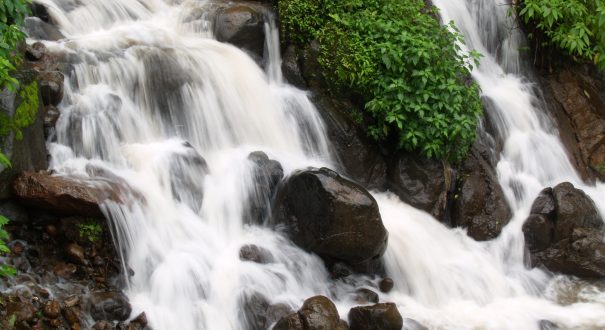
{"x": 376, "y": 317}
{"x": 256, "y": 254}
{"x": 62, "y": 195}
{"x": 76, "y": 254}
{"x": 243, "y": 26}
{"x": 386, "y": 284}
{"x": 289, "y": 322}
{"x": 319, "y": 313}
{"x": 23, "y": 311}
{"x": 64, "y": 270}
{"x": 72, "y": 316}
{"x": 52, "y": 309}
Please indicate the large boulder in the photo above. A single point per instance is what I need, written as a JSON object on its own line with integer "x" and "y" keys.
{"x": 331, "y": 216}
{"x": 113, "y": 306}
{"x": 376, "y": 317}
{"x": 317, "y": 313}
{"x": 423, "y": 183}
{"x": 242, "y": 25}
{"x": 63, "y": 195}
{"x": 479, "y": 202}
{"x": 564, "y": 232}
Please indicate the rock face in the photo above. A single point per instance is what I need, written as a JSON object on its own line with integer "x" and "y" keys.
{"x": 564, "y": 232}
{"x": 331, "y": 216}
{"x": 187, "y": 172}
{"x": 421, "y": 182}
{"x": 62, "y": 195}
{"x": 376, "y": 317}
{"x": 359, "y": 157}
{"x": 575, "y": 96}
{"x": 243, "y": 26}
{"x": 480, "y": 205}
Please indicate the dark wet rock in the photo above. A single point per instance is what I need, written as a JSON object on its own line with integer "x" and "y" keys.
{"x": 14, "y": 211}
{"x": 376, "y": 317}
{"x": 102, "y": 325}
{"x": 410, "y": 324}
{"x": 72, "y": 315}
{"x": 64, "y": 270}
{"x": 343, "y": 325}
{"x": 141, "y": 319}
{"x": 51, "y": 116}
{"x": 365, "y": 296}
{"x": 51, "y": 87}
{"x": 289, "y": 322}
{"x": 564, "y": 232}
{"x": 40, "y": 11}
{"x": 52, "y": 309}
{"x": 291, "y": 67}
{"x": 242, "y": 25}
{"x": 76, "y": 254}
{"x": 575, "y": 97}
{"x": 421, "y": 182}
{"x": 113, "y": 306}
{"x": 266, "y": 175}
{"x": 62, "y": 195}
{"x": 35, "y": 51}
{"x": 36, "y": 28}
{"x": 187, "y": 172}
{"x": 360, "y": 158}
{"x": 480, "y": 204}
{"x": 386, "y": 284}
{"x": 275, "y": 313}
{"x": 255, "y": 311}
{"x": 340, "y": 270}
{"x": 22, "y": 311}
{"x": 319, "y": 313}
{"x": 256, "y": 254}
{"x": 332, "y": 217}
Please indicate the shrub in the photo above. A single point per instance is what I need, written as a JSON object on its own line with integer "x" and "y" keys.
{"x": 575, "y": 26}
{"x": 12, "y": 14}
{"x": 407, "y": 67}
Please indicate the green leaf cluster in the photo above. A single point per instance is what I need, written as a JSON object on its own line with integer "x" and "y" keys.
{"x": 575, "y": 26}
{"x": 5, "y": 270}
{"x": 406, "y": 67}
{"x": 12, "y": 15}
{"x": 25, "y": 114}
{"x": 91, "y": 231}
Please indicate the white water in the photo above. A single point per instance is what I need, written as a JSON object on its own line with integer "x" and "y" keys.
{"x": 151, "y": 77}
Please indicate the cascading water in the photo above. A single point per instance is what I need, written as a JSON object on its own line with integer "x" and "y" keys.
{"x": 151, "y": 91}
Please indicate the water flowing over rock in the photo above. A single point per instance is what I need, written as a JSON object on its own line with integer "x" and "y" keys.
{"x": 243, "y": 26}
{"x": 266, "y": 175}
{"x": 331, "y": 216}
{"x": 113, "y": 306}
{"x": 564, "y": 232}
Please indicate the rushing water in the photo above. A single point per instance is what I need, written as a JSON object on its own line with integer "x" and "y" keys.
{"x": 151, "y": 91}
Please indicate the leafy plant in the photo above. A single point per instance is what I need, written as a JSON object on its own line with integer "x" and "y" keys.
{"x": 12, "y": 15}
{"x": 575, "y": 26}
{"x": 406, "y": 67}
{"x": 5, "y": 270}
{"x": 91, "y": 231}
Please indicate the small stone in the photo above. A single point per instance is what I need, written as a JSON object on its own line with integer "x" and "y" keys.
{"x": 17, "y": 248}
{"x": 55, "y": 323}
{"x": 52, "y": 309}
{"x": 101, "y": 325}
{"x": 256, "y": 254}
{"x": 386, "y": 285}
{"x": 72, "y": 315}
{"x": 52, "y": 230}
{"x": 65, "y": 270}
{"x": 76, "y": 254}
{"x": 109, "y": 306}
{"x": 141, "y": 319}
{"x": 71, "y": 301}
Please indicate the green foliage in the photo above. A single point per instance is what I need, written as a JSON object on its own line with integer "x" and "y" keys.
{"x": 575, "y": 26}
{"x": 25, "y": 114}
{"x": 12, "y": 15}
{"x": 406, "y": 66}
{"x": 91, "y": 231}
{"x": 5, "y": 270}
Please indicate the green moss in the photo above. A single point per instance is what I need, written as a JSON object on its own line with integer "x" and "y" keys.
{"x": 90, "y": 230}
{"x": 25, "y": 114}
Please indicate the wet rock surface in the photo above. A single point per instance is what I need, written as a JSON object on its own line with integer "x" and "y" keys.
{"x": 564, "y": 232}
{"x": 423, "y": 183}
{"x": 242, "y": 24}
{"x": 266, "y": 175}
{"x": 51, "y": 292}
{"x": 332, "y": 217}
{"x": 479, "y": 202}
{"x": 317, "y": 313}
{"x": 376, "y": 317}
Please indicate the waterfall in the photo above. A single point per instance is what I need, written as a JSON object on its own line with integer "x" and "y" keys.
{"x": 154, "y": 100}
